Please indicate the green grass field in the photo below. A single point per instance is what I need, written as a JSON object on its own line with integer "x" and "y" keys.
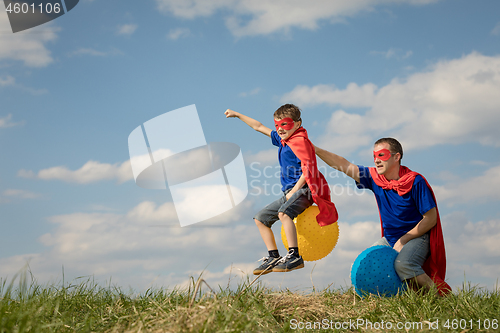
{"x": 88, "y": 307}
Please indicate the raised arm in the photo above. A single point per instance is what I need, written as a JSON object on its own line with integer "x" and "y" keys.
{"x": 339, "y": 163}
{"x": 256, "y": 125}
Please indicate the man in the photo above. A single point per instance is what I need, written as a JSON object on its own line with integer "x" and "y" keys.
{"x": 408, "y": 213}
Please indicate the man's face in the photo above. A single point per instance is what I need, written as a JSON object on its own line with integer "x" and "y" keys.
{"x": 286, "y": 127}
{"x": 384, "y": 159}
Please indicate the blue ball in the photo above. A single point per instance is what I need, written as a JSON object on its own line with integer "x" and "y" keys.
{"x": 373, "y": 272}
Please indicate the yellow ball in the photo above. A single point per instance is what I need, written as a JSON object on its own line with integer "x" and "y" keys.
{"x": 314, "y": 242}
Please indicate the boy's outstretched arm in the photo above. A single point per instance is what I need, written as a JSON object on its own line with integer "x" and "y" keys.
{"x": 339, "y": 163}
{"x": 256, "y": 125}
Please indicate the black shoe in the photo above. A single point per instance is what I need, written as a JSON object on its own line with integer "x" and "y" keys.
{"x": 289, "y": 263}
{"x": 267, "y": 265}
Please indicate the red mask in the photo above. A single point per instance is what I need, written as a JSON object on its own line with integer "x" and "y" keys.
{"x": 285, "y": 123}
{"x": 382, "y": 154}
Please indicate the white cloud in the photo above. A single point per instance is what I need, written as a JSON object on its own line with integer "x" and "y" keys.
{"x": 345, "y": 133}
{"x": 496, "y": 30}
{"x": 454, "y": 101}
{"x": 250, "y": 93}
{"x": 27, "y": 46}
{"x": 7, "y": 81}
{"x": 352, "y": 96}
{"x": 482, "y": 188}
{"x": 394, "y": 53}
{"x": 10, "y": 81}
{"x": 146, "y": 212}
{"x": 22, "y": 194}
{"x": 175, "y": 34}
{"x": 89, "y": 51}
{"x": 260, "y": 17}
{"x": 126, "y": 29}
{"x": 128, "y": 248}
{"x": 6, "y": 122}
{"x": 478, "y": 162}
{"x": 90, "y": 172}
{"x": 352, "y": 203}
{"x": 95, "y": 53}
{"x": 472, "y": 248}
{"x": 357, "y": 236}
{"x": 263, "y": 157}
{"x": 193, "y": 8}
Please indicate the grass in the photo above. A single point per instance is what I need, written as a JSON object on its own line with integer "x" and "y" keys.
{"x": 26, "y": 306}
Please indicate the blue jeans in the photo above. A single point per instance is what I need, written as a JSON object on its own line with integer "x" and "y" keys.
{"x": 408, "y": 263}
{"x": 292, "y": 207}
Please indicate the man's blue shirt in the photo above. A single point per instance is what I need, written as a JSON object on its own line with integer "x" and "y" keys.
{"x": 399, "y": 214}
{"x": 291, "y": 169}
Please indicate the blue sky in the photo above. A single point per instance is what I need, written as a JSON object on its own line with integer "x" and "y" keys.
{"x": 71, "y": 91}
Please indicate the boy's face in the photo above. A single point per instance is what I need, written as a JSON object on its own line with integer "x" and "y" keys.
{"x": 286, "y": 127}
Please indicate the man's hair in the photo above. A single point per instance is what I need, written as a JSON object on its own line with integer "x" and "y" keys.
{"x": 393, "y": 144}
{"x": 288, "y": 110}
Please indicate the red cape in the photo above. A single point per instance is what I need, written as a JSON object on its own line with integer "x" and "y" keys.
{"x": 303, "y": 148}
{"x": 435, "y": 265}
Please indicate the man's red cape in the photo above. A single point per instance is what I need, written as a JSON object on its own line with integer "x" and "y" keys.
{"x": 303, "y": 148}
{"x": 435, "y": 265}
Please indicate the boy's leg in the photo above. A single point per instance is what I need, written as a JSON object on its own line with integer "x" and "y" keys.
{"x": 273, "y": 259}
{"x": 294, "y": 206}
{"x": 264, "y": 221}
{"x": 290, "y": 230}
{"x": 267, "y": 235}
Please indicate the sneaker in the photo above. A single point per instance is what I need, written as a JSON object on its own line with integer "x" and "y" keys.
{"x": 289, "y": 263}
{"x": 267, "y": 265}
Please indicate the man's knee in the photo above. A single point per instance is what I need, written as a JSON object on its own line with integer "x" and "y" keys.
{"x": 402, "y": 268}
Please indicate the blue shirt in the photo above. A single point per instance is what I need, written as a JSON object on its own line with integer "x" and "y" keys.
{"x": 399, "y": 214}
{"x": 291, "y": 169}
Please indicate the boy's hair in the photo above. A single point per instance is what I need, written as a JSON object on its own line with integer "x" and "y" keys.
{"x": 396, "y": 147}
{"x": 288, "y": 110}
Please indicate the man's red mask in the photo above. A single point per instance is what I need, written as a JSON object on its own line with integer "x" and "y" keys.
{"x": 382, "y": 154}
{"x": 285, "y": 123}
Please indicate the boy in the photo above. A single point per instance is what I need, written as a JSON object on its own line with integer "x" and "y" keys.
{"x": 302, "y": 184}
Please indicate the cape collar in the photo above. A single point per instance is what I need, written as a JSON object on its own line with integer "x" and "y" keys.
{"x": 403, "y": 185}
{"x": 300, "y": 132}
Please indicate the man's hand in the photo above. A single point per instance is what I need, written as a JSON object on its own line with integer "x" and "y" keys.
{"x": 428, "y": 221}
{"x": 399, "y": 245}
{"x": 402, "y": 241}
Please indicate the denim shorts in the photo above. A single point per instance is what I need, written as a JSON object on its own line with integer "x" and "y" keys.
{"x": 292, "y": 207}
{"x": 408, "y": 263}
